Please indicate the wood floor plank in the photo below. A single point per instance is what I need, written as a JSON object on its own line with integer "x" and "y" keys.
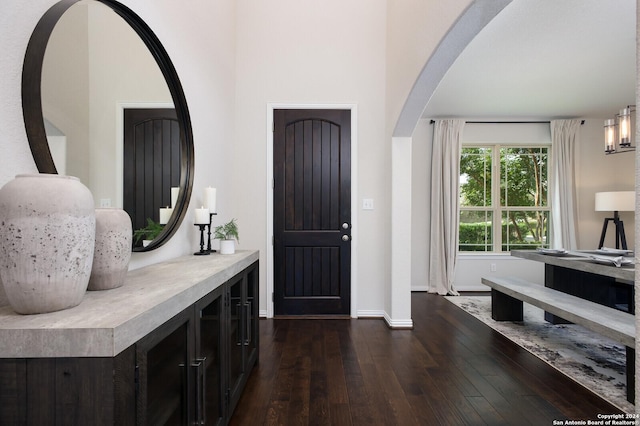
{"x": 489, "y": 414}
{"x": 300, "y": 389}
{"x": 335, "y": 373}
{"x": 319, "y": 410}
{"x": 498, "y": 401}
{"x": 451, "y": 369}
{"x": 341, "y": 414}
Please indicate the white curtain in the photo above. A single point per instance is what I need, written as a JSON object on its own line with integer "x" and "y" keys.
{"x": 562, "y": 188}
{"x": 445, "y": 205}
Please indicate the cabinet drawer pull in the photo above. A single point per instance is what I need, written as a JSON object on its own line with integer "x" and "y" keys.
{"x": 247, "y": 340}
{"x": 239, "y": 312}
{"x": 200, "y": 371}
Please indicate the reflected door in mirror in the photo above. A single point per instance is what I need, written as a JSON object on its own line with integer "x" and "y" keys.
{"x": 152, "y": 162}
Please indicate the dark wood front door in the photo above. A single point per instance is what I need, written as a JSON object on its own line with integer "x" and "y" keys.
{"x": 151, "y": 162}
{"x": 312, "y": 212}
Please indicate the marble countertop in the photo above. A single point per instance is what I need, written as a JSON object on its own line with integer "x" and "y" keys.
{"x": 107, "y": 322}
{"x": 579, "y": 260}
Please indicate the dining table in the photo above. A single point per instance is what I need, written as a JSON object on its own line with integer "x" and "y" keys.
{"x": 605, "y": 276}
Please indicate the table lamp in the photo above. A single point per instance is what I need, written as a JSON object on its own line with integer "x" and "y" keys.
{"x": 617, "y": 201}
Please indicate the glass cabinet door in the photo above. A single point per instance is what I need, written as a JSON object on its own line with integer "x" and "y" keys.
{"x": 209, "y": 359}
{"x": 163, "y": 377}
{"x": 235, "y": 334}
{"x": 251, "y": 306}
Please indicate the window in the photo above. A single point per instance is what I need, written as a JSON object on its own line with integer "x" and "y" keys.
{"x": 503, "y": 198}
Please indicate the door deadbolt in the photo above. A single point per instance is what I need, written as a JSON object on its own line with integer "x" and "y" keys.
{"x": 345, "y": 225}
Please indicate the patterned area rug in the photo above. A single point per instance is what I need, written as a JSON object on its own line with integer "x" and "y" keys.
{"x": 588, "y": 358}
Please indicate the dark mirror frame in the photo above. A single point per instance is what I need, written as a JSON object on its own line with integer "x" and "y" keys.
{"x": 32, "y": 103}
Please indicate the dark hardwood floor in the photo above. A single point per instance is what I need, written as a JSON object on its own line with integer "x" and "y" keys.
{"x": 449, "y": 370}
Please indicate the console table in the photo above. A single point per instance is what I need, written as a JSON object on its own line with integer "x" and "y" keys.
{"x": 174, "y": 345}
{"x": 574, "y": 273}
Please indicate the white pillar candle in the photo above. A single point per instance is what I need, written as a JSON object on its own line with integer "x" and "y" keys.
{"x": 165, "y": 215}
{"x": 210, "y": 199}
{"x": 202, "y": 216}
{"x": 174, "y": 195}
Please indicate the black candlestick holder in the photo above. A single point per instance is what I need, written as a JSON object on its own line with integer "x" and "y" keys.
{"x": 202, "y": 250}
{"x": 209, "y": 233}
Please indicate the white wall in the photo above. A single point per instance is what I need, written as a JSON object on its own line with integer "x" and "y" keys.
{"x": 362, "y": 52}
{"x": 294, "y": 52}
{"x": 421, "y": 215}
{"x": 17, "y": 20}
{"x": 414, "y": 30}
{"x": 596, "y": 172}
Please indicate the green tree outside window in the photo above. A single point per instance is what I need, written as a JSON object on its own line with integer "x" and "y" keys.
{"x": 519, "y": 183}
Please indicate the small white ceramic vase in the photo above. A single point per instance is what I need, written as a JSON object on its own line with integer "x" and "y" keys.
{"x": 227, "y": 246}
{"x": 113, "y": 249}
{"x": 47, "y": 240}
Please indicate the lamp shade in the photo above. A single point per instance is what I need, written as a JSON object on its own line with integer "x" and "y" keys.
{"x": 621, "y": 201}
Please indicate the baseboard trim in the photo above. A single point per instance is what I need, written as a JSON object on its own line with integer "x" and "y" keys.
{"x": 403, "y": 324}
{"x": 307, "y": 317}
{"x": 465, "y": 287}
{"x": 370, "y": 314}
{"x": 472, "y": 287}
{"x": 406, "y": 324}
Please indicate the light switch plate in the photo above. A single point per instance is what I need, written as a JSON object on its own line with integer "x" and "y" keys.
{"x": 367, "y": 204}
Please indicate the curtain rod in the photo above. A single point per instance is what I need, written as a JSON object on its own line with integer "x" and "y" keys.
{"x": 507, "y": 122}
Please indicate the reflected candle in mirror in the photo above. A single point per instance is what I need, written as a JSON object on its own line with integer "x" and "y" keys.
{"x": 202, "y": 216}
{"x": 210, "y": 199}
{"x": 174, "y": 195}
{"x": 165, "y": 215}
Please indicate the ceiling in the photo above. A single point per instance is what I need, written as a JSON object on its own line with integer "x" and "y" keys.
{"x": 545, "y": 59}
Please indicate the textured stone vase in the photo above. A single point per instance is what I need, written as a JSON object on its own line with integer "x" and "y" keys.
{"x": 3, "y": 296}
{"x": 113, "y": 249}
{"x": 46, "y": 242}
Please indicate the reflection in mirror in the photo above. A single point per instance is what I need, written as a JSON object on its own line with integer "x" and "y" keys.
{"x": 93, "y": 62}
{"x": 151, "y": 168}
{"x": 97, "y": 65}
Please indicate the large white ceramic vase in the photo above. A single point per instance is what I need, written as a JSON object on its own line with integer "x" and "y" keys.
{"x": 47, "y": 238}
{"x": 113, "y": 249}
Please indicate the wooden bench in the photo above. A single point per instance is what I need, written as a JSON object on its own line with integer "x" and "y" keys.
{"x": 508, "y": 294}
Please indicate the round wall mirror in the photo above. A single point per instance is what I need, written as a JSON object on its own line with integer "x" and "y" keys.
{"x": 102, "y": 101}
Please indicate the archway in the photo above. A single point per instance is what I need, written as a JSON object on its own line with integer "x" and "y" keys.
{"x": 469, "y": 24}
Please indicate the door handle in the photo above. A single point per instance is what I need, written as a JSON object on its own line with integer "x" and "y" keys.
{"x": 346, "y": 238}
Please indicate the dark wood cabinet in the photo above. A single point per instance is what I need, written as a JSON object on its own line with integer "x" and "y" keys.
{"x": 162, "y": 368}
{"x": 226, "y": 346}
{"x": 242, "y": 339}
{"x": 210, "y": 365}
{"x": 190, "y": 370}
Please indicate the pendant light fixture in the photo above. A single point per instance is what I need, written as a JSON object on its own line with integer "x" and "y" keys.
{"x": 619, "y": 132}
